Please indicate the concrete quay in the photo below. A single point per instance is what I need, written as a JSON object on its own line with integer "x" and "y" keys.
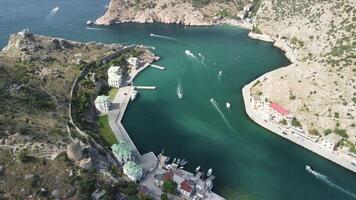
{"x": 336, "y": 157}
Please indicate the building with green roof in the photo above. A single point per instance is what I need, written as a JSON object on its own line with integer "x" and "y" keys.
{"x": 123, "y": 151}
{"x": 133, "y": 171}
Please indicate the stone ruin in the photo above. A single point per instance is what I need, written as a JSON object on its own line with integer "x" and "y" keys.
{"x": 74, "y": 151}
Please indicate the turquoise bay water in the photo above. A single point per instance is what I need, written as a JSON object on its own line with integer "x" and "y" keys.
{"x": 248, "y": 161}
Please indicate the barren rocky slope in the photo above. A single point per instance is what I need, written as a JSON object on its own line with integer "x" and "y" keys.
{"x": 320, "y": 86}
{"x": 188, "y": 12}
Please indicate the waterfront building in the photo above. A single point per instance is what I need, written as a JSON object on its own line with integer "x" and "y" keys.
{"x": 133, "y": 61}
{"x": 278, "y": 113}
{"x": 133, "y": 171}
{"x": 331, "y": 141}
{"x": 115, "y": 76}
{"x": 186, "y": 187}
{"x": 123, "y": 152}
{"x": 102, "y": 103}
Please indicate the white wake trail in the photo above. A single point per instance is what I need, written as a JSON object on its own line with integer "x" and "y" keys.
{"x": 179, "y": 90}
{"x": 328, "y": 181}
{"x": 94, "y": 29}
{"x": 191, "y": 55}
{"x": 52, "y": 13}
{"x": 216, "y": 106}
{"x": 202, "y": 58}
{"x": 162, "y": 36}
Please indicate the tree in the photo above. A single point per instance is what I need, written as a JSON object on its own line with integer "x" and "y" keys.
{"x": 86, "y": 186}
{"x": 314, "y": 131}
{"x": 283, "y": 122}
{"x": 295, "y": 122}
{"x": 164, "y": 196}
{"x": 170, "y": 187}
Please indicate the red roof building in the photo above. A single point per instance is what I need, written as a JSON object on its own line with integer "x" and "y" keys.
{"x": 185, "y": 185}
{"x": 279, "y": 109}
{"x": 168, "y": 176}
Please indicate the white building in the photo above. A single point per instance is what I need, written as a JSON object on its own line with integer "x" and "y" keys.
{"x": 102, "y": 103}
{"x": 331, "y": 141}
{"x": 133, "y": 61}
{"x": 115, "y": 76}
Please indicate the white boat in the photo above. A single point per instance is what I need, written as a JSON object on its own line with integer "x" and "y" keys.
{"x": 89, "y": 22}
{"x": 228, "y": 106}
{"x": 210, "y": 171}
{"x": 183, "y": 162}
{"x": 174, "y": 160}
{"x": 309, "y": 169}
{"x": 133, "y": 95}
{"x": 197, "y": 169}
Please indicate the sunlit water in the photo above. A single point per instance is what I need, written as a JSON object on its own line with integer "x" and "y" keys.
{"x": 212, "y": 64}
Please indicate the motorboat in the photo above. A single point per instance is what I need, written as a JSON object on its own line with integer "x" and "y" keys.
{"x": 210, "y": 171}
{"x": 228, "y": 106}
{"x": 197, "y": 169}
{"x": 133, "y": 95}
{"x": 89, "y": 22}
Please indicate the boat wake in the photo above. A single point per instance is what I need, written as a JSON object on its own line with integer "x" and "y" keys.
{"x": 219, "y": 75}
{"x": 179, "y": 90}
{"x": 326, "y": 180}
{"x": 94, "y": 29}
{"x": 216, "y": 106}
{"x": 191, "y": 55}
{"x": 202, "y": 59}
{"x": 162, "y": 36}
{"x": 52, "y": 13}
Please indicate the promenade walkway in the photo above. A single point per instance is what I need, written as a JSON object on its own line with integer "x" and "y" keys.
{"x": 336, "y": 157}
{"x": 120, "y": 104}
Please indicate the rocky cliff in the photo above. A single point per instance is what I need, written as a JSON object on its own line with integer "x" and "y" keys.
{"x": 171, "y": 11}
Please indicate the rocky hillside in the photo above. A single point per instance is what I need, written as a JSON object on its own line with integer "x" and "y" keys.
{"x": 38, "y": 159}
{"x": 37, "y": 74}
{"x": 320, "y": 38}
{"x": 187, "y": 12}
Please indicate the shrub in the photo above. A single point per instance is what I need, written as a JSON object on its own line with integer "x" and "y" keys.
{"x": 170, "y": 187}
{"x": 327, "y": 131}
{"x": 164, "y": 196}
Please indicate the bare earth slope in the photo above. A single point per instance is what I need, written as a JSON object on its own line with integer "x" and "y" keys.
{"x": 319, "y": 88}
{"x": 185, "y": 12}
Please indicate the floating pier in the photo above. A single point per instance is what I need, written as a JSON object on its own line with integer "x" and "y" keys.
{"x": 145, "y": 87}
{"x": 158, "y": 67}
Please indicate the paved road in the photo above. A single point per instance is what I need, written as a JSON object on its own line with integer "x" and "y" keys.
{"x": 336, "y": 157}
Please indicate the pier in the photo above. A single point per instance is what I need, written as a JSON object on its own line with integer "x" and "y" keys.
{"x": 157, "y": 67}
{"x": 145, "y": 87}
